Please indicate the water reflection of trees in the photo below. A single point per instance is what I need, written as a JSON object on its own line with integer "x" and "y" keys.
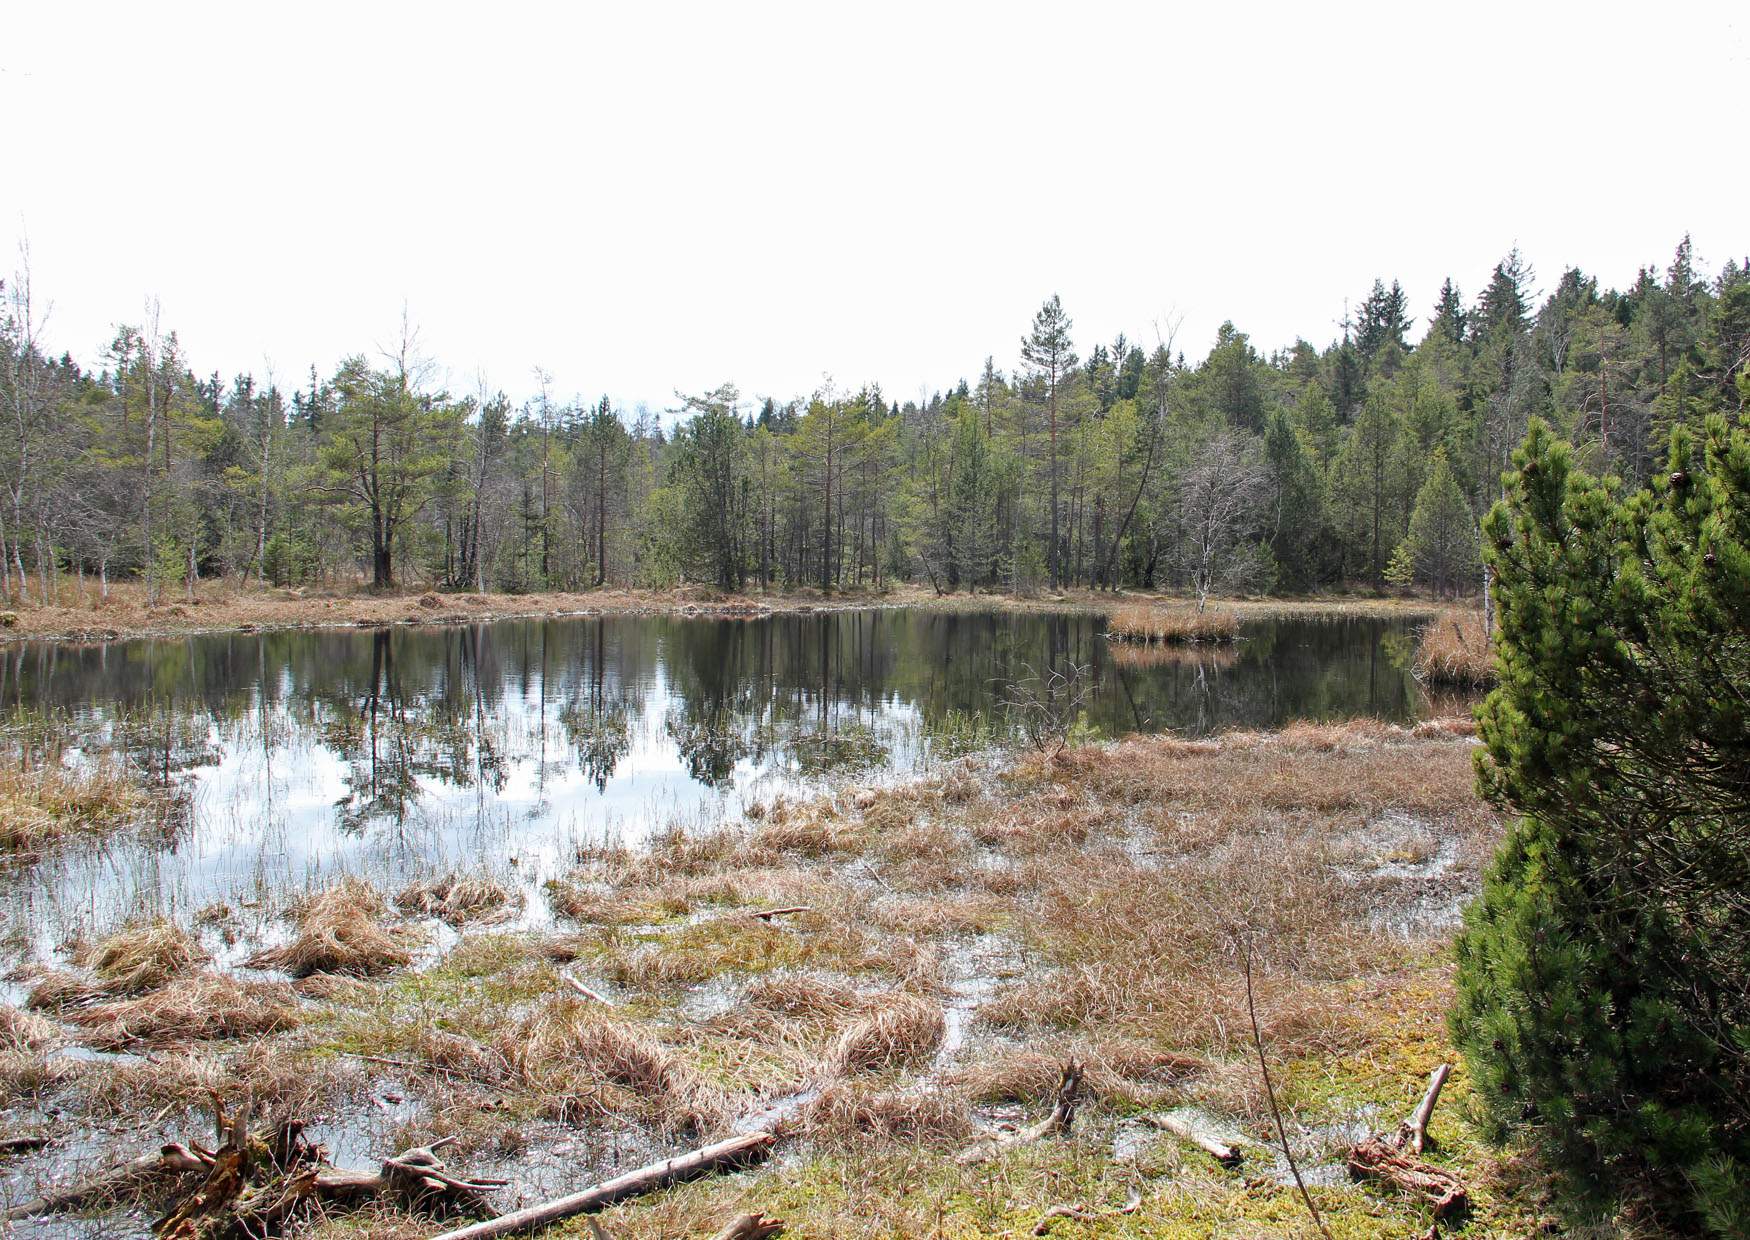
{"x": 408, "y": 710}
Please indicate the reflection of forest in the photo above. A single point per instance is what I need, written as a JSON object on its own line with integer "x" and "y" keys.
{"x": 463, "y": 707}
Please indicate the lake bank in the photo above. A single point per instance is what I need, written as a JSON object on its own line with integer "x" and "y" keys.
{"x": 218, "y": 607}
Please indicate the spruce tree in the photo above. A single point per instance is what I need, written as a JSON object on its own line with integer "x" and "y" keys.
{"x": 1602, "y": 999}
{"x": 1440, "y": 549}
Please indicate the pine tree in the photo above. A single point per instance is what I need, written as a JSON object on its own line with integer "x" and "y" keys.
{"x": 1601, "y": 999}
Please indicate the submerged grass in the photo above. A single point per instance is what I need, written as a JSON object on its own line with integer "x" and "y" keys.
{"x": 45, "y": 801}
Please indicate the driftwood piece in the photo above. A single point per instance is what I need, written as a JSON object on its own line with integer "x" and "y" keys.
{"x": 1187, "y": 1128}
{"x": 586, "y": 991}
{"x": 724, "y": 1154}
{"x": 1372, "y": 1158}
{"x": 766, "y": 914}
{"x": 750, "y": 1227}
{"x": 22, "y": 1145}
{"x": 259, "y": 1183}
{"x": 1413, "y": 1132}
{"x": 1063, "y": 1114}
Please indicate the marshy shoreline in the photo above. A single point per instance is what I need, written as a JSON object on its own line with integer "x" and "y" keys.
{"x": 953, "y": 941}
{"x": 219, "y": 607}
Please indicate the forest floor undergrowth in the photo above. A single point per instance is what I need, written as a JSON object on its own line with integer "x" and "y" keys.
{"x": 951, "y": 943}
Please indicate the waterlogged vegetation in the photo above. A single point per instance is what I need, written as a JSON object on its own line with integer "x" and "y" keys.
{"x": 497, "y": 884}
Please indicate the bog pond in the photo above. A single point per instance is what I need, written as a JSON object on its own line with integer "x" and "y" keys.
{"x": 401, "y": 751}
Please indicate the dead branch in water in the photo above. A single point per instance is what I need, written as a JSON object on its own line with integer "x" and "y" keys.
{"x": 167, "y": 1164}
{"x": 1413, "y": 1132}
{"x": 586, "y": 991}
{"x": 1185, "y": 1127}
{"x": 1063, "y": 1114}
{"x": 734, "y": 1152}
{"x": 257, "y": 1183}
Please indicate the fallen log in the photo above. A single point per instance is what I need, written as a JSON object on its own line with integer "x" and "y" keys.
{"x": 1413, "y": 1132}
{"x": 767, "y": 914}
{"x": 22, "y": 1145}
{"x": 735, "y": 1151}
{"x": 750, "y": 1227}
{"x": 1187, "y": 1128}
{"x": 1063, "y": 1114}
{"x": 1372, "y": 1158}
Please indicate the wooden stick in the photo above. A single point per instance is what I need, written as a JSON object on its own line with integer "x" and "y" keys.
{"x": 769, "y": 913}
{"x": 733, "y": 1152}
{"x": 1226, "y": 1152}
{"x": 20, "y": 1145}
{"x": 1414, "y": 1130}
{"x": 586, "y": 992}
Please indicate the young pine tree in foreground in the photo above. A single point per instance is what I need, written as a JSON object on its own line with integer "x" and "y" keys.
{"x": 1604, "y": 974}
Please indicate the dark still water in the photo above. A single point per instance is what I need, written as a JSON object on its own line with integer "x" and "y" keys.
{"x": 505, "y": 745}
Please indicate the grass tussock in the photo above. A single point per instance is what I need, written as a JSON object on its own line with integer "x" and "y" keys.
{"x": 903, "y": 1031}
{"x": 339, "y": 930}
{"x": 1172, "y": 625}
{"x": 188, "y": 1009}
{"x": 22, "y": 1031}
{"x": 584, "y": 1060}
{"x": 45, "y": 801}
{"x": 852, "y": 1114}
{"x": 459, "y": 899}
{"x": 1452, "y": 649}
{"x": 136, "y": 959}
{"x": 1119, "y": 1071}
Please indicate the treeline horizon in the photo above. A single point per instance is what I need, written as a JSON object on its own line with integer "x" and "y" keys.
{"x": 1368, "y": 462}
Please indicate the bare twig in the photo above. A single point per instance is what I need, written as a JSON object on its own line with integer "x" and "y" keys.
{"x": 1270, "y": 1092}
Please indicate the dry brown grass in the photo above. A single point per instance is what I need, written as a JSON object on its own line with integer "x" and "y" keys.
{"x": 43, "y": 801}
{"x": 339, "y": 931}
{"x": 1172, "y": 625}
{"x": 854, "y": 1113}
{"x": 1452, "y": 649}
{"x": 144, "y": 957}
{"x": 25, "y": 1031}
{"x": 459, "y": 899}
{"x": 584, "y": 1060}
{"x": 197, "y": 1008}
{"x": 1119, "y": 1071}
{"x": 902, "y": 1031}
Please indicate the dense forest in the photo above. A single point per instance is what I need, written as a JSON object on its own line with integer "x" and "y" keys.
{"x": 1365, "y": 462}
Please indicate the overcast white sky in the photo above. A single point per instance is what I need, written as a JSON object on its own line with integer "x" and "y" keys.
{"x": 645, "y": 197}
